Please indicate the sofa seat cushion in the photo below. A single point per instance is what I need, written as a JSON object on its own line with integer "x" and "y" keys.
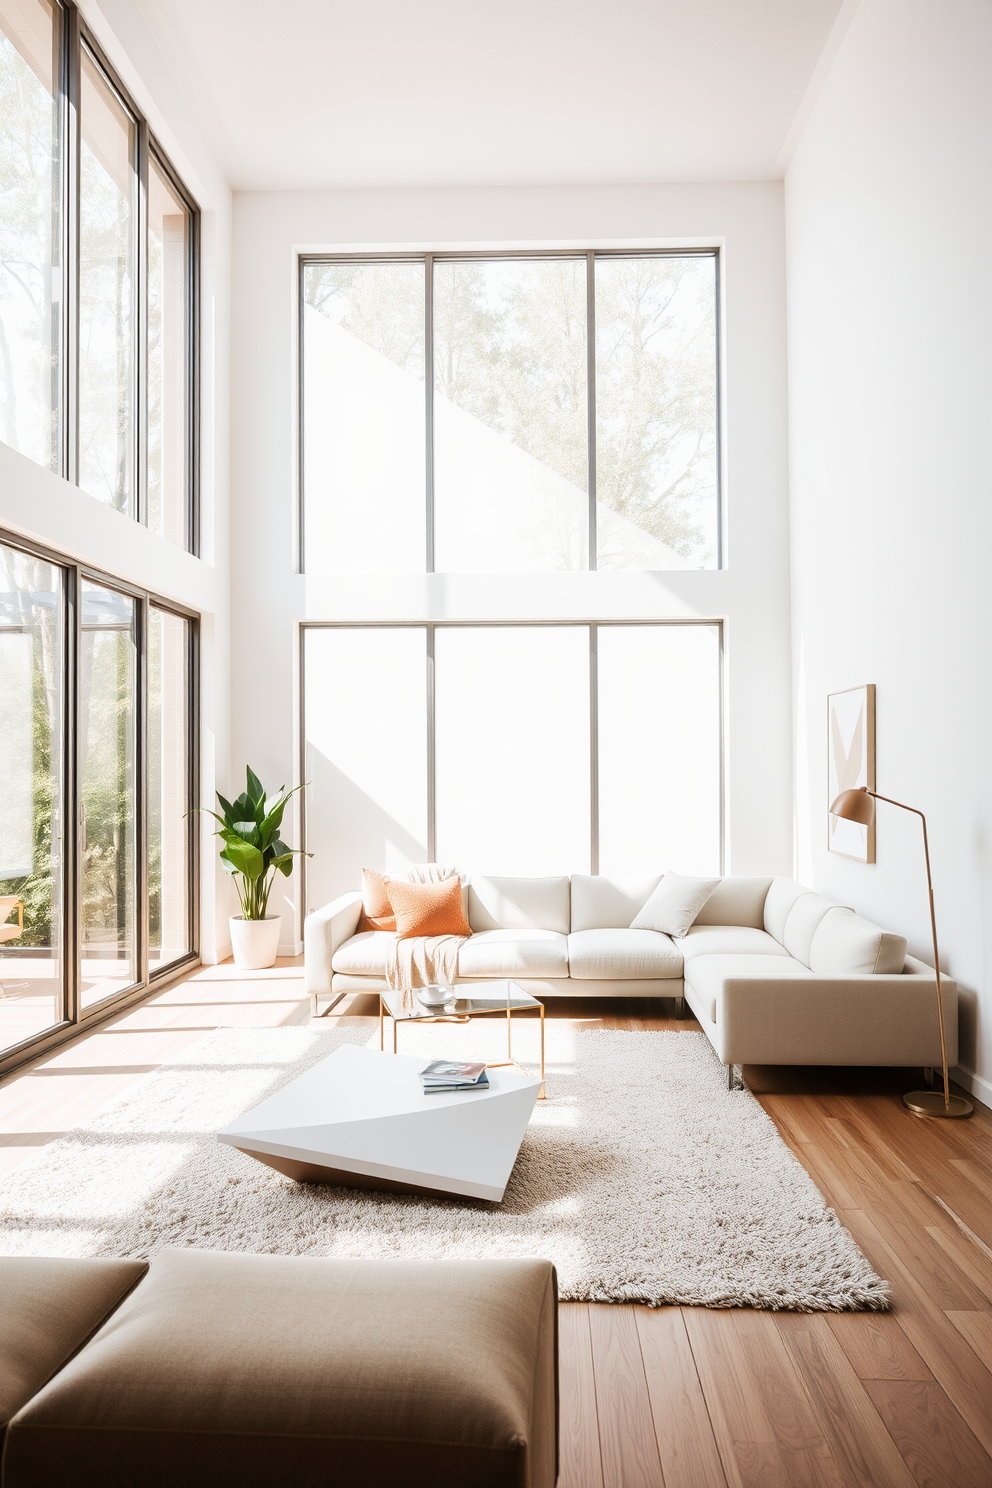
{"x": 254, "y": 1370}
{"x": 728, "y": 940}
{"x": 502, "y": 953}
{"x": 49, "y": 1306}
{"x": 705, "y": 975}
{"x": 364, "y": 954}
{"x": 601, "y": 955}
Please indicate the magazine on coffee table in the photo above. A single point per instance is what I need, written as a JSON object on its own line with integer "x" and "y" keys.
{"x": 453, "y": 1074}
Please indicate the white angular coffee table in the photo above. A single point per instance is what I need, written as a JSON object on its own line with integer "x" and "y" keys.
{"x": 359, "y": 1118}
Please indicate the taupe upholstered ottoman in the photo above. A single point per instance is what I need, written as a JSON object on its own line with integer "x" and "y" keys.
{"x": 48, "y": 1309}
{"x": 276, "y": 1370}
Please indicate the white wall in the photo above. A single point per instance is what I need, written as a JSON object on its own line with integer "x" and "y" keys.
{"x": 889, "y": 218}
{"x": 752, "y": 594}
{"x": 36, "y": 504}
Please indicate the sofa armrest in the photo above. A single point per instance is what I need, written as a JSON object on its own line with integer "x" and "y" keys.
{"x": 835, "y": 1019}
{"x": 323, "y": 932}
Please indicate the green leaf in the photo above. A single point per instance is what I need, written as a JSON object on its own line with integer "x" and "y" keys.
{"x": 226, "y": 807}
{"x": 243, "y": 808}
{"x": 256, "y": 790}
{"x": 246, "y": 859}
{"x": 227, "y": 865}
{"x": 248, "y": 830}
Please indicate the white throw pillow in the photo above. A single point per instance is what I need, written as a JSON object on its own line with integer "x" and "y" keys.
{"x": 674, "y": 904}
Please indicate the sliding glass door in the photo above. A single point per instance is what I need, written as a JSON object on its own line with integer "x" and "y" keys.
{"x": 32, "y": 775}
{"x": 97, "y": 769}
{"x": 107, "y": 733}
{"x": 170, "y": 929}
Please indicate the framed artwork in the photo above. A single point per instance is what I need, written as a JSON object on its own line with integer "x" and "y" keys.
{"x": 850, "y": 764}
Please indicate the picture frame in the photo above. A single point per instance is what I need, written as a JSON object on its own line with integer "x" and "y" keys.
{"x": 850, "y": 764}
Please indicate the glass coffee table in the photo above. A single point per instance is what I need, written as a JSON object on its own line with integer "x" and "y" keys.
{"x": 467, "y": 1001}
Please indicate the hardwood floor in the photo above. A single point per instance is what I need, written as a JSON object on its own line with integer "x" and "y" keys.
{"x": 695, "y": 1397}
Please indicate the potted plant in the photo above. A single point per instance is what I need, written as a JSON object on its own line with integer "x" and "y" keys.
{"x": 252, "y": 854}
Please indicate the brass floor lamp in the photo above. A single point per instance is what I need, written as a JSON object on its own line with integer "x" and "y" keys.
{"x": 859, "y": 806}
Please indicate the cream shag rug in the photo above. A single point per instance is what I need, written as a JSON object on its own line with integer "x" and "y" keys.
{"x": 642, "y": 1177}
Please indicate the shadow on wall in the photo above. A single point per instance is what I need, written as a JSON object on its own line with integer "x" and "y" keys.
{"x": 346, "y": 830}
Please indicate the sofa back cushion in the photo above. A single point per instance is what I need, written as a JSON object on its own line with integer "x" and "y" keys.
{"x": 519, "y": 904}
{"x": 801, "y": 923}
{"x": 844, "y": 942}
{"x": 600, "y": 903}
{"x": 782, "y": 895}
{"x": 674, "y": 905}
{"x": 50, "y": 1305}
{"x": 736, "y": 901}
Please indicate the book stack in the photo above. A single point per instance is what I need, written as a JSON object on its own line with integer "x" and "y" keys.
{"x": 453, "y": 1074}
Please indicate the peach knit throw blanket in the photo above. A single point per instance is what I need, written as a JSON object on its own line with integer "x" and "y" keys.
{"x": 424, "y": 960}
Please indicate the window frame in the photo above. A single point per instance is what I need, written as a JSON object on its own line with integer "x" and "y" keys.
{"x": 589, "y": 255}
{"x": 75, "y": 38}
{"x": 73, "y": 1018}
{"x": 431, "y": 627}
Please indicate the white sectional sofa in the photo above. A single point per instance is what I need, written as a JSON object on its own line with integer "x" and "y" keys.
{"x": 774, "y": 973}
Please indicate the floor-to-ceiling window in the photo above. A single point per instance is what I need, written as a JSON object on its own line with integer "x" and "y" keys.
{"x": 512, "y": 748}
{"x": 98, "y": 277}
{"x": 553, "y": 419}
{"x": 97, "y": 759}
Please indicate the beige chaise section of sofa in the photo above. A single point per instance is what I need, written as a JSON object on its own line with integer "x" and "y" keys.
{"x": 826, "y": 987}
{"x": 774, "y": 973}
{"x": 253, "y": 1371}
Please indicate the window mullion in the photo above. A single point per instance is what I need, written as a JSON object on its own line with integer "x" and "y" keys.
{"x": 141, "y": 842}
{"x": 593, "y": 749}
{"x": 591, "y": 404}
{"x": 69, "y": 171}
{"x": 141, "y": 331}
{"x": 431, "y": 749}
{"x": 72, "y": 821}
{"x": 429, "y": 399}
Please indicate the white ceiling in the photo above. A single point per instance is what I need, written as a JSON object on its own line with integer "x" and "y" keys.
{"x": 326, "y": 93}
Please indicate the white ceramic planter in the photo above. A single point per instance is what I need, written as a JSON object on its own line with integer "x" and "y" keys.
{"x": 255, "y": 942}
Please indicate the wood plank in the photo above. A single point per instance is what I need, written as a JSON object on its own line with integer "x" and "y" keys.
{"x": 626, "y": 1426}
{"x": 876, "y": 1346}
{"x": 859, "y": 1442}
{"x": 964, "y": 1255}
{"x": 581, "y": 1463}
{"x": 977, "y": 1328}
{"x": 686, "y": 1444}
{"x": 967, "y": 1384}
{"x": 800, "y": 1437}
{"x": 936, "y": 1444}
{"x": 901, "y": 1212}
{"x": 748, "y": 1450}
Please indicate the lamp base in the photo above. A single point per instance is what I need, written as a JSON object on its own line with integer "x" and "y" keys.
{"x": 931, "y": 1103}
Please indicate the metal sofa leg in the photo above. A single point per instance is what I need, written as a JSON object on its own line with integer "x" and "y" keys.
{"x": 735, "y": 1079}
{"x": 680, "y": 1007}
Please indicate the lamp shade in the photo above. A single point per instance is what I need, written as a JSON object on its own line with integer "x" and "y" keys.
{"x": 854, "y": 805}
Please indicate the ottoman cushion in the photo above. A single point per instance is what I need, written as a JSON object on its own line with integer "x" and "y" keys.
{"x": 255, "y": 1370}
{"x": 48, "y": 1309}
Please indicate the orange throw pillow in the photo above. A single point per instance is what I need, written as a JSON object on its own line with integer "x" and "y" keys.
{"x": 377, "y": 912}
{"x": 428, "y": 909}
